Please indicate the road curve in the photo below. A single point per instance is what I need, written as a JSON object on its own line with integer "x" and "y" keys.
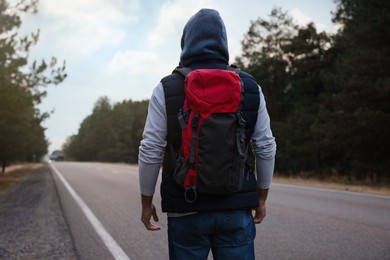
{"x": 301, "y": 222}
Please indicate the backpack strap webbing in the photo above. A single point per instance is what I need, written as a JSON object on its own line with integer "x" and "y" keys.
{"x": 184, "y": 71}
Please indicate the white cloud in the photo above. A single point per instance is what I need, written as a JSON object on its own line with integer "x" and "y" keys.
{"x": 299, "y": 17}
{"x": 82, "y": 27}
{"x": 133, "y": 62}
{"x": 302, "y": 19}
{"x": 172, "y": 18}
{"x": 133, "y": 74}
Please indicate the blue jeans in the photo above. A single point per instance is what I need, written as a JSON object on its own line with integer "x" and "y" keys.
{"x": 229, "y": 235}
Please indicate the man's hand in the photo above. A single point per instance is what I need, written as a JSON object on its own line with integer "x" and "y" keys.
{"x": 149, "y": 211}
{"x": 260, "y": 212}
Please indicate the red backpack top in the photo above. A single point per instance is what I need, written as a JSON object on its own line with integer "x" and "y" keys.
{"x": 213, "y": 152}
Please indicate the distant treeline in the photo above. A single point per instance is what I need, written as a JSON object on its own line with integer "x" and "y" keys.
{"x": 112, "y": 133}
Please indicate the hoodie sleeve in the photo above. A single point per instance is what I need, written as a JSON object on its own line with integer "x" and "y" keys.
{"x": 264, "y": 146}
{"x": 151, "y": 150}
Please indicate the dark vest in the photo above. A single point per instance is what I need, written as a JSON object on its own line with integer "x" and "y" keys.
{"x": 171, "y": 193}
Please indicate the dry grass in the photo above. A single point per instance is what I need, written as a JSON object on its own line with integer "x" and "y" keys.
{"x": 378, "y": 190}
{"x": 14, "y": 173}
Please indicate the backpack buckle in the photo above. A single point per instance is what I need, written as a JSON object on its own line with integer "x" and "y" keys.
{"x": 183, "y": 118}
{"x": 195, "y": 120}
{"x": 241, "y": 120}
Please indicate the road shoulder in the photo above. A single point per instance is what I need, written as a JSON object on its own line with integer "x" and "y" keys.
{"x": 32, "y": 225}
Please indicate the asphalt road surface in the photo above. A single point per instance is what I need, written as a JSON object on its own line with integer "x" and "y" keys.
{"x": 101, "y": 204}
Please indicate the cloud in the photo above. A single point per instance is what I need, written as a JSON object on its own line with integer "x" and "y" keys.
{"x": 133, "y": 62}
{"x": 299, "y": 17}
{"x": 80, "y": 28}
{"x": 302, "y": 19}
{"x": 133, "y": 74}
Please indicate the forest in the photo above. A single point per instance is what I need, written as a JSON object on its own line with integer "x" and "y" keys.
{"x": 112, "y": 133}
{"x": 327, "y": 95}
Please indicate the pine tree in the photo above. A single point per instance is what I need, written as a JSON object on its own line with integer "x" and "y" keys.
{"x": 22, "y": 88}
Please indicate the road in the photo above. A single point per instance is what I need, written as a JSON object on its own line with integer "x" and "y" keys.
{"x": 101, "y": 203}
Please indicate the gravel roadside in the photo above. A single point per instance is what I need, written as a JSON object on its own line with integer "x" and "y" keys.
{"x": 32, "y": 224}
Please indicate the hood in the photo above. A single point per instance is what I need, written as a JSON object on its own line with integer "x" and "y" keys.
{"x": 204, "y": 38}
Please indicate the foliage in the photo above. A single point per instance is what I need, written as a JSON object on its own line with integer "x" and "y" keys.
{"x": 112, "y": 133}
{"x": 327, "y": 95}
{"x": 22, "y": 89}
{"x": 357, "y": 113}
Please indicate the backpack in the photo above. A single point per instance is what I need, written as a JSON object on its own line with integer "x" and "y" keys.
{"x": 213, "y": 151}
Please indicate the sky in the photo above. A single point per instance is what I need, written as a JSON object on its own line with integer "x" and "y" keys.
{"x": 122, "y": 48}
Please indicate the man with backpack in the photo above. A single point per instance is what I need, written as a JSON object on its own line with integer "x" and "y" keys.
{"x": 208, "y": 126}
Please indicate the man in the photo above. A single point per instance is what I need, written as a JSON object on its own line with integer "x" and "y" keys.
{"x": 224, "y": 224}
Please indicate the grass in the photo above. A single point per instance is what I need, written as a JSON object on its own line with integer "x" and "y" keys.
{"x": 333, "y": 184}
{"x": 14, "y": 173}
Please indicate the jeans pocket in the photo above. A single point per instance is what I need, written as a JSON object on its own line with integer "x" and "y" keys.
{"x": 240, "y": 227}
{"x": 183, "y": 230}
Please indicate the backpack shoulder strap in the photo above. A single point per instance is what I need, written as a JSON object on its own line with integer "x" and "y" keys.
{"x": 184, "y": 71}
{"x": 233, "y": 67}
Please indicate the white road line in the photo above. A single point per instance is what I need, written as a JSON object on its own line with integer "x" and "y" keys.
{"x": 110, "y": 243}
